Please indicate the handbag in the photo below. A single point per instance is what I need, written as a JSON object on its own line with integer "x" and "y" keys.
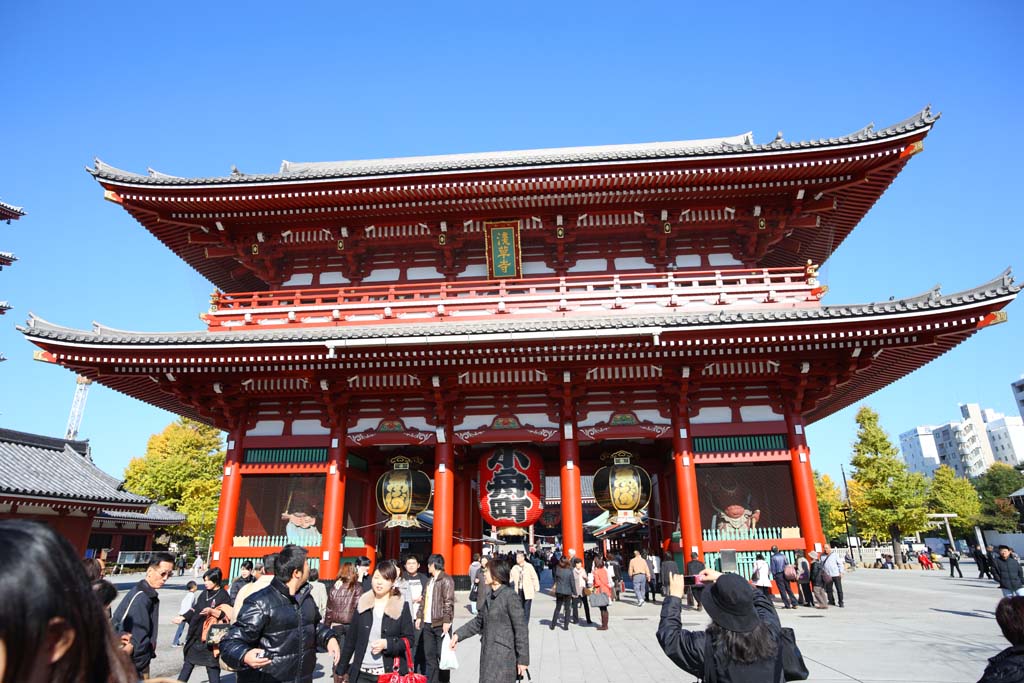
{"x": 395, "y": 677}
{"x": 474, "y": 592}
{"x": 588, "y": 591}
{"x": 599, "y": 599}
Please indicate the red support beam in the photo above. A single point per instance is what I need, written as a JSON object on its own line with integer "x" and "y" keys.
{"x": 230, "y": 492}
{"x": 334, "y": 505}
{"x": 686, "y": 483}
{"x": 803, "y": 484}
{"x": 572, "y": 496}
{"x": 461, "y": 551}
{"x": 444, "y": 493}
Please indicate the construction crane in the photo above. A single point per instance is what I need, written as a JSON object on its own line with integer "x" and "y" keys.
{"x": 77, "y": 403}
{"x": 77, "y": 407}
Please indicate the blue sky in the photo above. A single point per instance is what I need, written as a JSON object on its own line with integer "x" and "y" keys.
{"x": 192, "y": 88}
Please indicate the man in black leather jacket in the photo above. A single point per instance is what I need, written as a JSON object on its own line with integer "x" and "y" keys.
{"x": 275, "y": 636}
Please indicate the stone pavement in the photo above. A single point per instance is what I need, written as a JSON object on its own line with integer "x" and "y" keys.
{"x": 897, "y": 626}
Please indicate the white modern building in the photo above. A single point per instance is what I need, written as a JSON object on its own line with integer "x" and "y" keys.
{"x": 967, "y": 446}
{"x": 919, "y": 451}
{"x": 1018, "y": 394}
{"x": 1006, "y": 436}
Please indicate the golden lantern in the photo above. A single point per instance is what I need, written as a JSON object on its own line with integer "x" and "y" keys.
{"x": 402, "y": 493}
{"x": 622, "y": 488}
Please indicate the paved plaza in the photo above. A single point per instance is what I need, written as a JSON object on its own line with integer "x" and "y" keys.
{"x": 897, "y": 626}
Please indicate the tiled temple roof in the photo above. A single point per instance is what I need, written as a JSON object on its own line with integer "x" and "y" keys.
{"x": 736, "y": 145}
{"x": 9, "y": 212}
{"x": 933, "y": 300}
{"x": 45, "y": 467}
{"x": 155, "y": 514}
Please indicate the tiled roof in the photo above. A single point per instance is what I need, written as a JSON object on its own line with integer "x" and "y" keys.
{"x": 46, "y": 467}
{"x": 657, "y": 151}
{"x": 999, "y": 287}
{"x": 553, "y": 489}
{"x": 155, "y": 514}
{"x": 8, "y": 211}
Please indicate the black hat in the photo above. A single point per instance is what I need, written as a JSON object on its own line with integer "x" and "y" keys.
{"x": 730, "y": 603}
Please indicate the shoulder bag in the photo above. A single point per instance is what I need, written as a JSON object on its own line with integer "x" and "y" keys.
{"x": 394, "y": 676}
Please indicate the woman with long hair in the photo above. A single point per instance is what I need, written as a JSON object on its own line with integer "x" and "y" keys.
{"x": 500, "y": 623}
{"x": 742, "y": 641}
{"x": 602, "y": 591}
{"x": 342, "y": 600}
{"x": 381, "y": 630}
{"x": 565, "y": 581}
{"x": 210, "y": 606}
{"x": 52, "y": 626}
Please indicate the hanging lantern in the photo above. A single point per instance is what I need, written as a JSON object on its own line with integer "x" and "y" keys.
{"x": 622, "y": 488}
{"x": 402, "y": 493}
{"x": 510, "y": 493}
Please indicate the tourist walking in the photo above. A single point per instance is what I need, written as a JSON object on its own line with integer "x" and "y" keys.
{"x": 640, "y": 573}
{"x": 342, "y": 600}
{"x": 654, "y": 583}
{"x": 435, "y": 616}
{"x": 276, "y": 635}
{"x": 502, "y": 627}
{"x": 803, "y": 582}
{"x": 580, "y": 591}
{"x": 833, "y": 568}
{"x": 563, "y": 588}
{"x": 413, "y": 585}
{"x": 981, "y": 561}
{"x": 669, "y": 567}
{"x": 212, "y": 605}
{"x": 474, "y": 582}
{"x": 186, "y": 604}
{"x": 54, "y": 629}
{"x": 197, "y": 567}
{"x": 817, "y": 577}
{"x": 138, "y": 615}
{"x": 1007, "y": 571}
{"x": 180, "y": 564}
{"x": 525, "y": 582}
{"x": 778, "y": 564}
{"x": 954, "y": 561}
{"x": 244, "y": 577}
{"x": 265, "y": 572}
{"x": 744, "y": 632}
{"x": 382, "y": 630}
{"x": 602, "y": 594}
{"x": 1008, "y": 665}
{"x": 762, "y": 576}
{"x": 693, "y": 568}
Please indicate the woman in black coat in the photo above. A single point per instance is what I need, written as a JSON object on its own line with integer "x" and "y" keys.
{"x": 565, "y": 581}
{"x": 372, "y": 651}
{"x": 1008, "y": 665}
{"x": 207, "y": 603}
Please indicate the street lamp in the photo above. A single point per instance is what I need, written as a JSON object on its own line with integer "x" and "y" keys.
{"x": 849, "y": 539}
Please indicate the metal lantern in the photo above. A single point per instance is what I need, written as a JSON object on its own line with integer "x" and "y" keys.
{"x": 402, "y": 493}
{"x": 510, "y": 492}
{"x": 622, "y": 488}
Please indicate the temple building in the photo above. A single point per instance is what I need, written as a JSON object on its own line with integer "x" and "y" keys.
{"x": 659, "y": 299}
{"x": 8, "y": 213}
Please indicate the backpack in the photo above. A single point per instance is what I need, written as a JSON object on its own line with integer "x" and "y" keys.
{"x": 789, "y": 573}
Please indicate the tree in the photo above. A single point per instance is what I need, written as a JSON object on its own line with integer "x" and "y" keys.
{"x": 888, "y": 499}
{"x": 951, "y": 494}
{"x": 830, "y": 500}
{"x": 181, "y": 469}
{"x": 994, "y": 488}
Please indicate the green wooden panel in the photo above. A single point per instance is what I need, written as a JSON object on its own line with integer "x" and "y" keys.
{"x": 739, "y": 444}
{"x": 284, "y": 456}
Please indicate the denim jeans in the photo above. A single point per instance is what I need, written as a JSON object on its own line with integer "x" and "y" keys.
{"x": 640, "y": 587}
{"x": 177, "y": 634}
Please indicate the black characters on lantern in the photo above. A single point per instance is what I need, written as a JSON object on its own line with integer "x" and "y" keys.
{"x": 509, "y": 488}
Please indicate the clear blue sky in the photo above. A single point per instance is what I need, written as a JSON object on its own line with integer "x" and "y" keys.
{"x": 192, "y": 88}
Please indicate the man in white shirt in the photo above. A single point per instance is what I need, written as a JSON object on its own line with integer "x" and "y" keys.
{"x": 833, "y": 568}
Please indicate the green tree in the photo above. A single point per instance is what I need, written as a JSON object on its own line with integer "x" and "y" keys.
{"x": 888, "y": 499}
{"x": 830, "y": 500}
{"x": 951, "y": 494}
{"x": 994, "y": 488}
{"x": 181, "y": 469}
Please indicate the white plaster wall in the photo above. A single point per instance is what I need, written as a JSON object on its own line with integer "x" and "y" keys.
{"x": 632, "y": 263}
{"x": 760, "y": 414}
{"x": 688, "y": 261}
{"x": 309, "y": 428}
{"x": 474, "y": 422}
{"x": 383, "y": 275}
{"x": 424, "y": 273}
{"x": 536, "y": 420}
{"x": 716, "y": 415}
{"x": 537, "y": 268}
{"x": 723, "y": 260}
{"x": 267, "y": 428}
{"x": 595, "y": 417}
{"x": 333, "y": 279}
{"x": 475, "y": 271}
{"x": 298, "y": 280}
{"x": 589, "y": 266}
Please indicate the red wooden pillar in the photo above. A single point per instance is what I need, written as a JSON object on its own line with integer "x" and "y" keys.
{"x": 686, "y": 484}
{"x": 369, "y": 518}
{"x": 444, "y": 494}
{"x": 803, "y": 484}
{"x": 461, "y": 552}
{"x": 230, "y": 492}
{"x": 393, "y": 545}
{"x": 476, "y": 521}
{"x": 334, "y": 504}
{"x": 572, "y": 495}
{"x": 665, "y": 509}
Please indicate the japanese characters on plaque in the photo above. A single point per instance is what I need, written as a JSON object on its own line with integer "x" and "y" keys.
{"x": 510, "y": 491}
{"x": 503, "y": 256}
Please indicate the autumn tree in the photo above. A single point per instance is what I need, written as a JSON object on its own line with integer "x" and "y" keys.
{"x": 888, "y": 499}
{"x": 181, "y": 469}
{"x": 830, "y": 501}
{"x": 994, "y": 488}
{"x": 951, "y": 494}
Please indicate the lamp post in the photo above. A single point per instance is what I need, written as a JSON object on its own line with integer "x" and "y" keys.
{"x": 849, "y": 539}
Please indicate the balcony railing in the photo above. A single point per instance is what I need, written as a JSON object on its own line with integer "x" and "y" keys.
{"x": 763, "y": 533}
{"x": 536, "y": 297}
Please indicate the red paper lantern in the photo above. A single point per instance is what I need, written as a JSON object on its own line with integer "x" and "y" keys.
{"x": 510, "y": 489}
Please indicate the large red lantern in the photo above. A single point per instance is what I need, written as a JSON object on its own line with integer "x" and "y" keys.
{"x": 510, "y": 489}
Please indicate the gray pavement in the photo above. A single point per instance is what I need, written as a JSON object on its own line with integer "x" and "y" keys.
{"x": 897, "y": 626}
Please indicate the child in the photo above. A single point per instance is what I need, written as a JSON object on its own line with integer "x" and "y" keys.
{"x": 186, "y": 605}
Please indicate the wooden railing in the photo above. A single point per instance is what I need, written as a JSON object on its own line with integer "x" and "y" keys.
{"x": 537, "y": 297}
{"x": 758, "y": 534}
